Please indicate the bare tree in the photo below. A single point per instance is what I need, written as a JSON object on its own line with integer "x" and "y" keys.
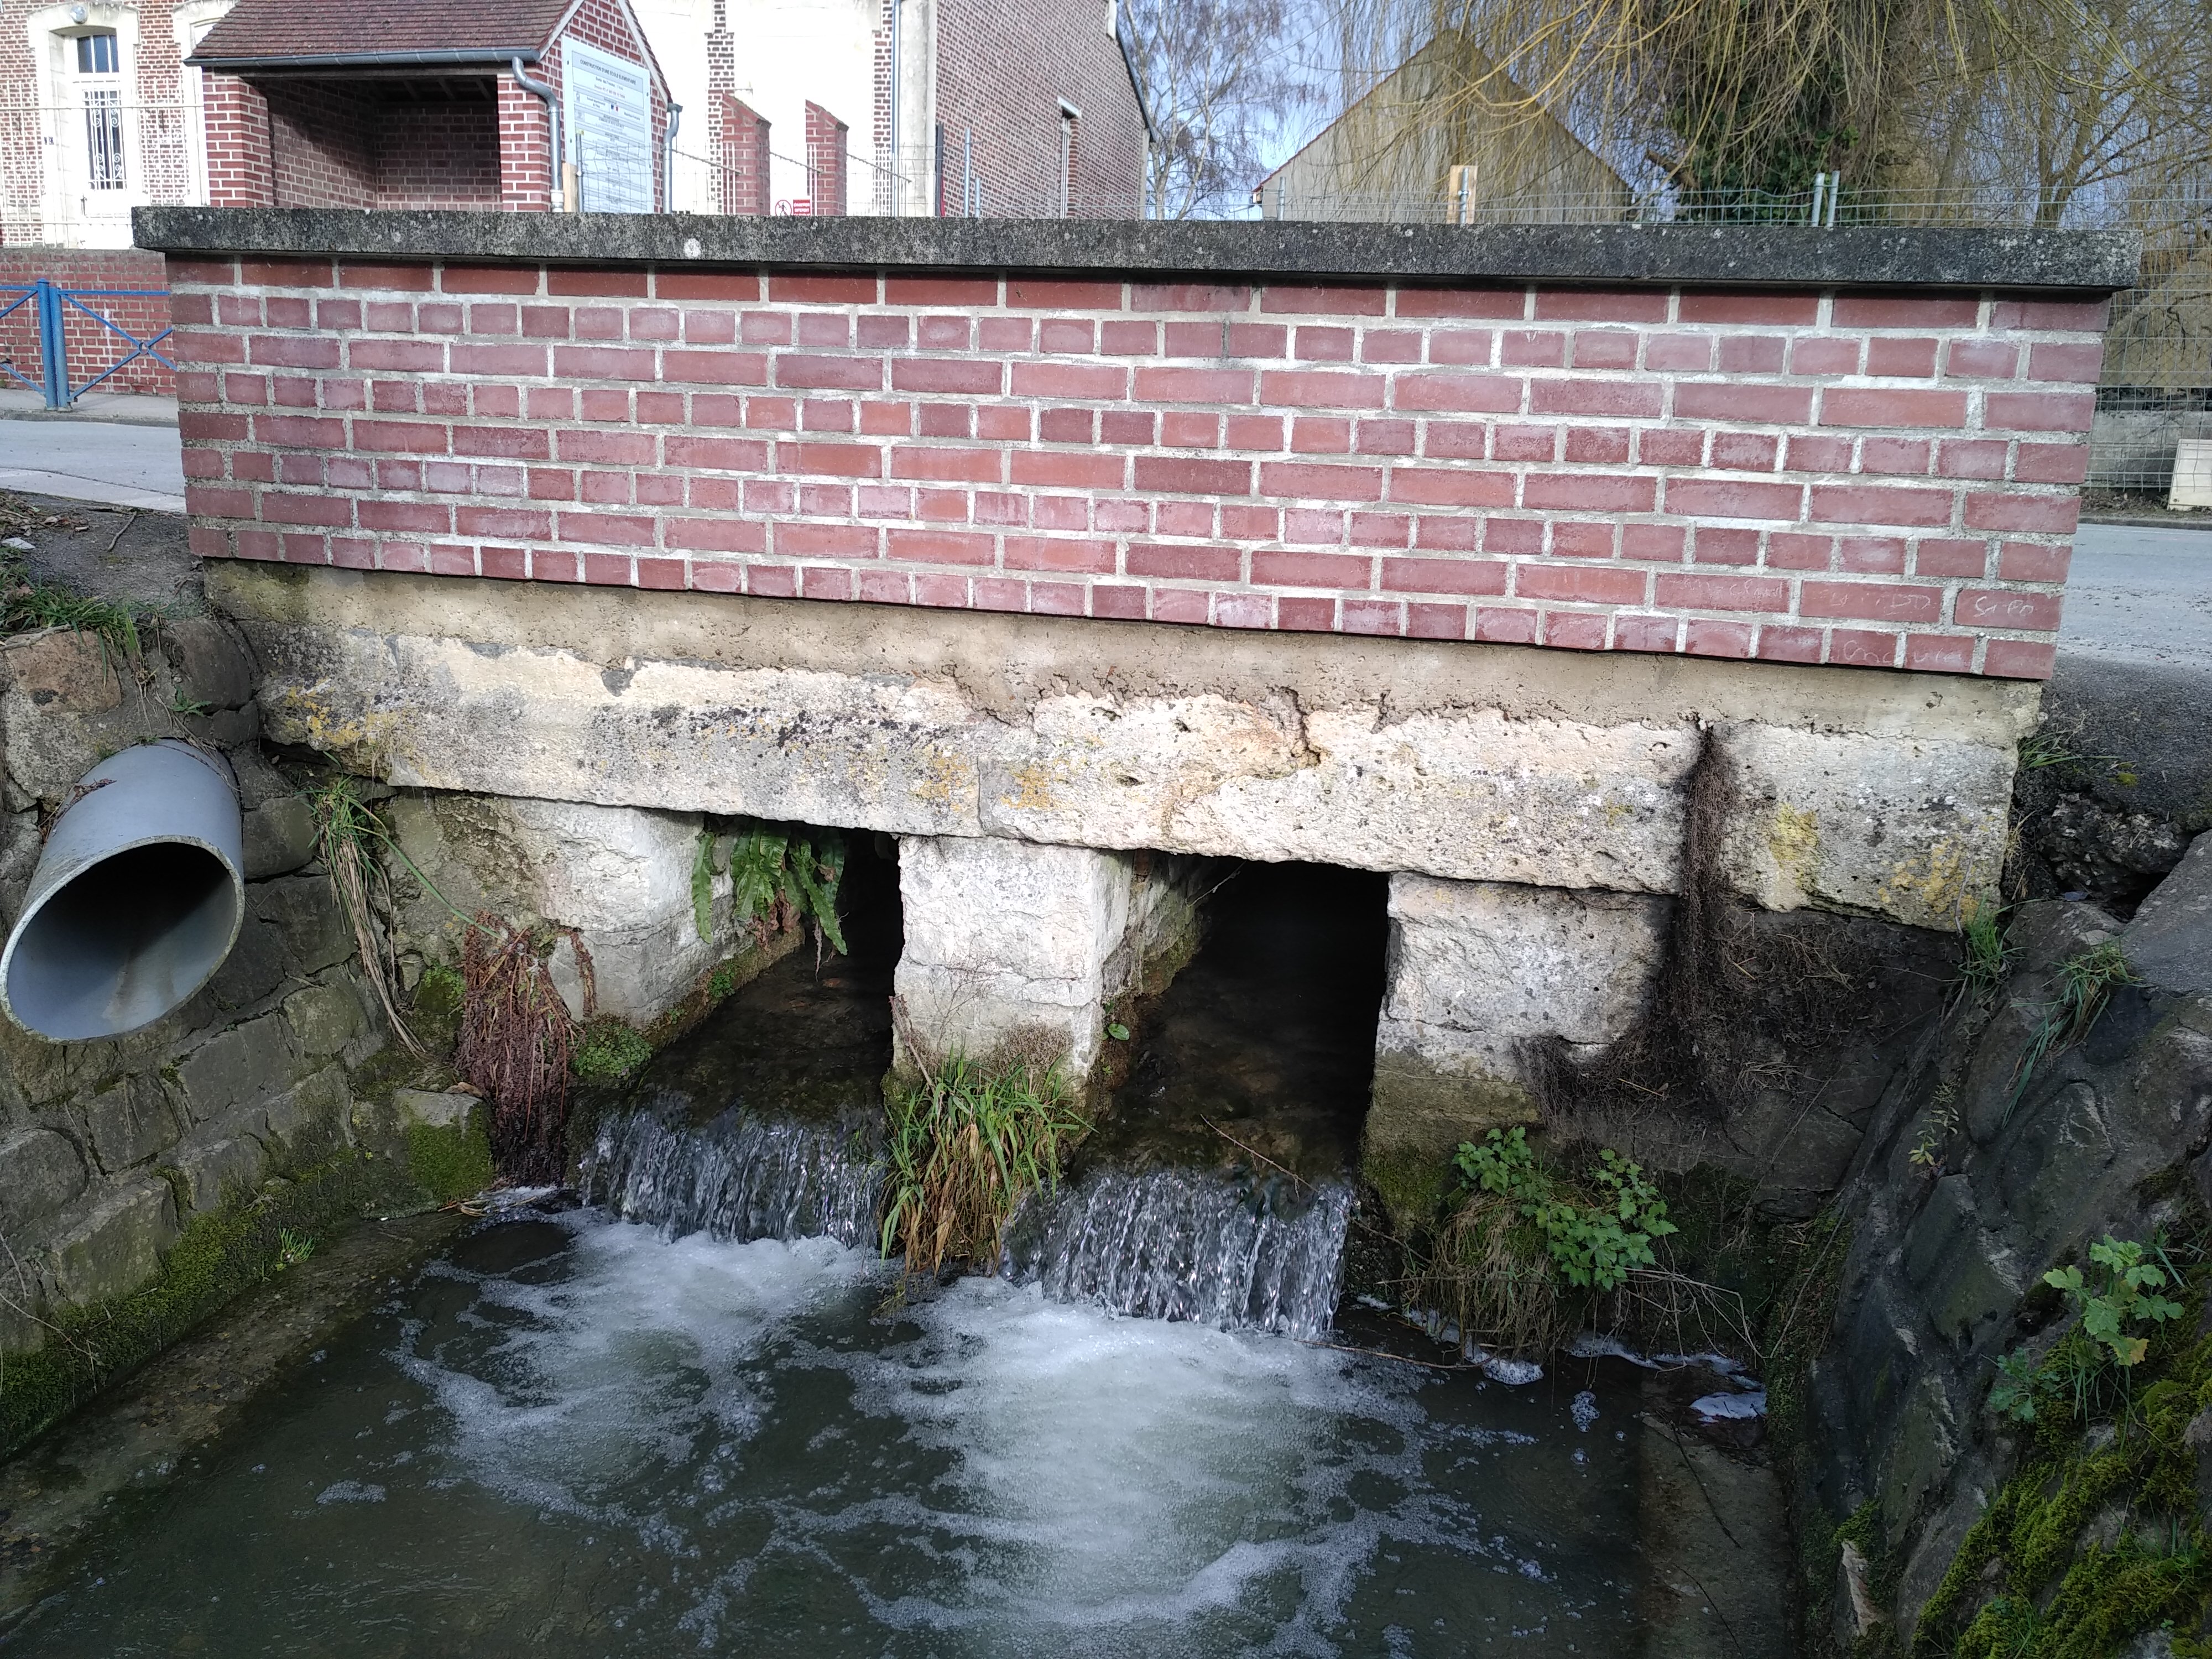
{"x": 1220, "y": 85}
{"x": 2035, "y": 98}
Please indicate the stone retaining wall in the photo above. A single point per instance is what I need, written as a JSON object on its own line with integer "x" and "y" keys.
{"x": 107, "y": 1149}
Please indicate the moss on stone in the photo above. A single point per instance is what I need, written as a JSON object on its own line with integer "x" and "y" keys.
{"x": 609, "y": 1052}
{"x": 219, "y": 1255}
{"x": 2060, "y": 1590}
{"x": 1411, "y": 1184}
{"x": 450, "y": 1161}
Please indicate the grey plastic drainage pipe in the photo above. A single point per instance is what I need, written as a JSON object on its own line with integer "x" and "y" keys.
{"x": 138, "y": 898}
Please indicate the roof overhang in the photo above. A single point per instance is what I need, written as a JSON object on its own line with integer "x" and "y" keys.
{"x": 487, "y": 58}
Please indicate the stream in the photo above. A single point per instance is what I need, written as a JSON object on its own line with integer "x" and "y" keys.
{"x": 693, "y": 1416}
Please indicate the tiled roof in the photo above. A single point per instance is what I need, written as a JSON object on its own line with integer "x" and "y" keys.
{"x": 321, "y": 31}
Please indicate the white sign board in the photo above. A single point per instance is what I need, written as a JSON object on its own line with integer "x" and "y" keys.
{"x": 609, "y": 114}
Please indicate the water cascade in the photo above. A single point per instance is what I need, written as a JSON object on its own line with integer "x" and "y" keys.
{"x": 1190, "y": 1244}
{"x": 742, "y": 1175}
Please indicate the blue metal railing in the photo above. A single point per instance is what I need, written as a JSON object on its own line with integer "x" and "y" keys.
{"x": 51, "y": 299}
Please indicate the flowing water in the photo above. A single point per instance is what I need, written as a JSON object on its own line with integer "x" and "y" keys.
{"x": 715, "y": 1433}
{"x": 579, "y": 1438}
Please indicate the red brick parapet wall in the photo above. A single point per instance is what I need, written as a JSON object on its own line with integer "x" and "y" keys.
{"x": 1872, "y": 478}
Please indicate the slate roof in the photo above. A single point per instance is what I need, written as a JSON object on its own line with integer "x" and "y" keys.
{"x": 320, "y": 32}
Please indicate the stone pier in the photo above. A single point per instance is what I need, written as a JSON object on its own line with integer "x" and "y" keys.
{"x": 1478, "y": 972}
{"x": 1016, "y": 946}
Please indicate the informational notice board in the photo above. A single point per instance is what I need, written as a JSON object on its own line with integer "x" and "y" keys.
{"x": 610, "y": 109}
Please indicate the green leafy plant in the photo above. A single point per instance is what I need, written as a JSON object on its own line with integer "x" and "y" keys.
{"x": 292, "y": 1248}
{"x": 2085, "y": 986}
{"x": 1594, "y": 1244}
{"x": 781, "y": 875}
{"x": 968, "y": 1140}
{"x": 2013, "y": 1395}
{"x": 1940, "y": 1125}
{"x": 1118, "y": 1031}
{"x": 2127, "y": 1294}
{"x": 185, "y": 706}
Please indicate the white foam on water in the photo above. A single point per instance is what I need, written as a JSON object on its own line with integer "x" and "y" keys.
{"x": 632, "y": 1353}
{"x": 1036, "y": 1466}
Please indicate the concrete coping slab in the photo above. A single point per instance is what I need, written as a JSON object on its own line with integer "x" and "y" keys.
{"x": 1786, "y": 255}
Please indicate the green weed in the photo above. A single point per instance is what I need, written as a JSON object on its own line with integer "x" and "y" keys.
{"x": 1594, "y": 1244}
{"x": 1942, "y": 1123}
{"x": 781, "y": 875}
{"x": 2085, "y": 985}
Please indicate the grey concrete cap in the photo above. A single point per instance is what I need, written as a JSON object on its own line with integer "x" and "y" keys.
{"x": 2095, "y": 261}
{"x": 2170, "y": 941}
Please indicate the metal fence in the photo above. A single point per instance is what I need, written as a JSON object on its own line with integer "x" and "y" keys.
{"x": 46, "y": 324}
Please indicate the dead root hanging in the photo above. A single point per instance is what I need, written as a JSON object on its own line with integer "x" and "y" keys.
{"x": 516, "y": 1033}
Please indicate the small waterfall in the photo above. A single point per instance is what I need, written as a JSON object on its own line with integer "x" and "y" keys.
{"x": 1191, "y": 1244}
{"x": 740, "y": 1176}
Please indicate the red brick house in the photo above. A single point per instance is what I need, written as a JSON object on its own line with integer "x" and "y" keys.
{"x": 955, "y": 107}
{"x": 524, "y": 105}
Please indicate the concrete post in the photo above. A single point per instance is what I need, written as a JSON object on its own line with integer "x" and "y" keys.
{"x": 1012, "y": 944}
{"x": 1477, "y": 970}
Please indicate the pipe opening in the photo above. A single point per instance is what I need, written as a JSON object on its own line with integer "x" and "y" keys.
{"x": 123, "y": 941}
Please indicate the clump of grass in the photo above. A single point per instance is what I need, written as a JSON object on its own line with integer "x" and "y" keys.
{"x": 347, "y": 836}
{"x": 968, "y": 1140}
{"x": 1981, "y": 968}
{"x": 2086, "y": 983}
{"x": 609, "y": 1052}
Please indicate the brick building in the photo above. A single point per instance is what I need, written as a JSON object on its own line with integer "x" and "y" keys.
{"x": 960, "y": 107}
{"x": 299, "y": 103}
{"x": 524, "y": 105}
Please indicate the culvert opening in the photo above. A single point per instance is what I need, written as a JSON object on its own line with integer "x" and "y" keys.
{"x": 122, "y": 942}
{"x": 1267, "y": 1036}
{"x": 811, "y": 1035}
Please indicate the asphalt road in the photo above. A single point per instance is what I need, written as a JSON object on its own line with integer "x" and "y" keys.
{"x": 2141, "y": 596}
{"x": 137, "y": 466}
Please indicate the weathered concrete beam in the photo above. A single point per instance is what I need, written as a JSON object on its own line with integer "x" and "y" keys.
{"x": 1858, "y": 790}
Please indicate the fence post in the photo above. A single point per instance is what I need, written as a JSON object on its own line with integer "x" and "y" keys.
{"x": 52, "y": 355}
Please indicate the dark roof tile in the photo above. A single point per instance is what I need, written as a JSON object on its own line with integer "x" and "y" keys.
{"x": 270, "y": 30}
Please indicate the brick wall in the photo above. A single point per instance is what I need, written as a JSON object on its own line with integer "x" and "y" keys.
{"x": 1886, "y": 480}
{"x": 1002, "y": 73}
{"x": 826, "y": 138}
{"x": 89, "y": 348}
{"x": 322, "y": 143}
{"x": 745, "y": 159}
